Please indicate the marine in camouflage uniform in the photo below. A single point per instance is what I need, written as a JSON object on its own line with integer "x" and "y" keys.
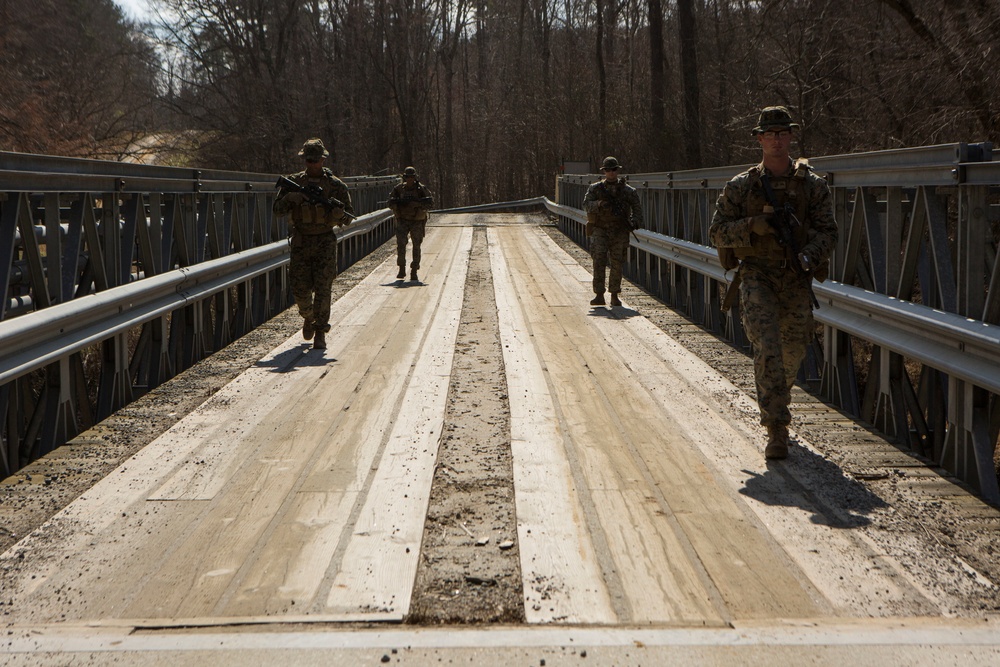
{"x": 313, "y": 264}
{"x": 775, "y": 298}
{"x": 613, "y": 211}
{"x": 410, "y": 201}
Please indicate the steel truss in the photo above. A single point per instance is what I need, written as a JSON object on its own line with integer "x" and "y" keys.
{"x": 116, "y": 277}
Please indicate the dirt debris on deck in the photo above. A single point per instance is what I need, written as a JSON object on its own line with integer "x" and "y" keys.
{"x": 469, "y": 570}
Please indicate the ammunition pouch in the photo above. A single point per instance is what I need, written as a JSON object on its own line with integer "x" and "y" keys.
{"x": 728, "y": 258}
{"x": 411, "y": 211}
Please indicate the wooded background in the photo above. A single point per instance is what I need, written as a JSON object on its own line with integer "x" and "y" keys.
{"x": 487, "y": 98}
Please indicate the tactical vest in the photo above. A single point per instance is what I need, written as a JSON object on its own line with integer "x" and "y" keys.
{"x": 787, "y": 189}
{"x": 308, "y": 219}
{"x": 602, "y": 217}
{"x": 411, "y": 211}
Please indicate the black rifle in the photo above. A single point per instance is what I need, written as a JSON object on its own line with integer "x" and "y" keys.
{"x": 314, "y": 195}
{"x": 783, "y": 221}
{"x": 620, "y": 209}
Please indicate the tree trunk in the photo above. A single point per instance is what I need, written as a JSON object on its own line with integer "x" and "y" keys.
{"x": 689, "y": 74}
{"x": 602, "y": 82}
{"x": 656, "y": 63}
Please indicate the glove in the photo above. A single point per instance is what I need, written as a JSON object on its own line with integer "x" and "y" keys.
{"x": 761, "y": 224}
{"x": 295, "y": 198}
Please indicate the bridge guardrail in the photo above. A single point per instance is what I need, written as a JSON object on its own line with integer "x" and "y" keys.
{"x": 77, "y": 233}
{"x": 916, "y": 302}
{"x": 37, "y": 339}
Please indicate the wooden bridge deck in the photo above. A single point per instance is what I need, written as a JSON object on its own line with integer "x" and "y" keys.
{"x": 298, "y": 493}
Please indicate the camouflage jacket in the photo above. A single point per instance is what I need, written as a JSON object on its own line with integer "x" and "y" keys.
{"x": 404, "y": 202}
{"x": 744, "y": 197}
{"x": 623, "y": 210}
{"x": 308, "y": 219}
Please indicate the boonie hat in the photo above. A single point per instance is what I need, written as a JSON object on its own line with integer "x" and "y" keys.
{"x": 409, "y": 171}
{"x": 313, "y": 149}
{"x": 611, "y": 163}
{"x": 774, "y": 118}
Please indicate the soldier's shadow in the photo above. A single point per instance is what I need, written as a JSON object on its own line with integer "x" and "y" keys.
{"x": 815, "y": 485}
{"x": 616, "y": 313}
{"x": 403, "y": 284}
{"x": 623, "y": 313}
{"x": 290, "y": 360}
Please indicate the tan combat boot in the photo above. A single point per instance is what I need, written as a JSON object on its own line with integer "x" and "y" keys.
{"x": 615, "y": 301}
{"x": 320, "y": 342}
{"x": 413, "y": 276}
{"x": 777, "y": 442}
{"x": 308, "y": 329}
{"x": 402, "y": 273}
{"x": 598, "y": 300}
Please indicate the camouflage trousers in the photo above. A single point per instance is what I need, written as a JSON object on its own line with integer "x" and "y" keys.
{"x": 415, "y": 230}
{"x": 777, "y": 317}
{"x": 312, "y": 268}
{"x": 608, "y": 247}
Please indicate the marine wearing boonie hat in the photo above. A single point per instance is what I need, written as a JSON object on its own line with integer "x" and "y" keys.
{"x": 313, "y": 149}
{"x": 774, "y": 118}
{"x": 610, "y": 163}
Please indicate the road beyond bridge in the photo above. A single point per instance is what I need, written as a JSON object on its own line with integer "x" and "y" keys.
{"x": 514, "y": 477}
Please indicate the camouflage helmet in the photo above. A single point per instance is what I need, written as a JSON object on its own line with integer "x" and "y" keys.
{"x": 410, "y": 171}
{"x": 610, "y": 163}
{"x": 774, "y": 117}
{"x": 313, "y": 149}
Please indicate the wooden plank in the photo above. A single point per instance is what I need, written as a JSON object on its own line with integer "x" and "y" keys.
{"x": 700, "y": 463}
{"x": 294, "y": 563}
{"x": 286, "y": 574}
{"x": 268, "y": 582}
{"x": 192, "y": 580}
{"x": 663, "y": 584}
{"x": 113, "y": 518}
{"x": 559, "y": 567}
{"x": 210, "y": 465}
{"x": 380, "y": 561}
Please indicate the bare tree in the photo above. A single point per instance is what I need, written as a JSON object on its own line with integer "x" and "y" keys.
{"x": 488, "y": 96}
{"x": 657, "y": 61}
{"x": 602, "y": 74}
{"x": 453, "y": 18}
{"x": 78, "y": 79}
{"x": 689, "y": 68}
